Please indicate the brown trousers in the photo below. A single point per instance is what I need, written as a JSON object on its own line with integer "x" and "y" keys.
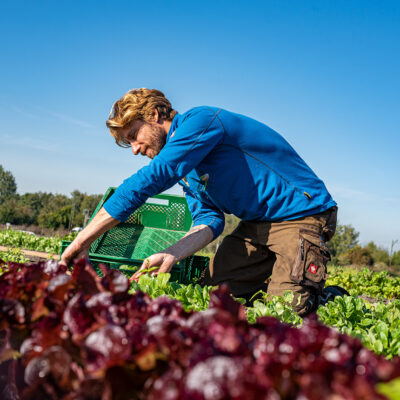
{"x": 289, "y": 255}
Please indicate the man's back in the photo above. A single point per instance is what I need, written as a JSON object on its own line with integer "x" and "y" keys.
{"x": 250, "y": 170}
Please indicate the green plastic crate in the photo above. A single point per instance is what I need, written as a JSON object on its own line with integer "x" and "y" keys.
{"x": 157, "y": 224}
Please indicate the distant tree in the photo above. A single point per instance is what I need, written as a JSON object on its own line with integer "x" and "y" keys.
{"x": 62, "y": 216}
{"x": 76, "y": 218}
{"x": 80, "y": 202}
{"x": 11, "y": 211}
{"x": 53, "y": 213}
{"x": 345, "y": 238}
{"x": 358, "y": 255}
{"x": 57, "y": 218}
{"x": 8, "y": 187}
{"x": 391, "y": 253}
{"x": 396, "y": 258}
{"x": 36, "y": 202}
{"x": 90, "y": 203}
{"x": 7, "y": 212}
{"x": 378, "y": 254}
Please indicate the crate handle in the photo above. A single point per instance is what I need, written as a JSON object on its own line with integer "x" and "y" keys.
{"x": 163, "y": 202}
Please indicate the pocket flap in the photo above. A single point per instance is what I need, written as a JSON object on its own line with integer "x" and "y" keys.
{"x": 313, "y": 237}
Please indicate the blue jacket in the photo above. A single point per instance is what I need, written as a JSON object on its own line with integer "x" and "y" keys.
{"x": 226, "y": 163}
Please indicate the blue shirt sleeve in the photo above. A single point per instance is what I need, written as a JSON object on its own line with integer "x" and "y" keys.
{"x": 197, "y": 135}
{"x": 204, "y": 213}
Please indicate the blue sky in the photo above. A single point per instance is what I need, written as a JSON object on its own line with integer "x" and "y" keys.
{"x": 325, "y": 74}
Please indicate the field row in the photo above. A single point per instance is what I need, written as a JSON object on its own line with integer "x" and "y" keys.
{"x": 25, "y": 240}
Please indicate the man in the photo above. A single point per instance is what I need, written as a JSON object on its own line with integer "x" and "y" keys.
{"x": 226, "y": 163}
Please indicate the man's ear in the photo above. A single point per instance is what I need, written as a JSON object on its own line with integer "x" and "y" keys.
{"x": 156, "y": 116}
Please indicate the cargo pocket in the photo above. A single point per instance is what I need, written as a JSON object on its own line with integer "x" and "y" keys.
{"x": 312, "y": 257}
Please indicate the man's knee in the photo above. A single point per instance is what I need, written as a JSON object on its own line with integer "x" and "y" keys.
{"x": 305, "y": 301}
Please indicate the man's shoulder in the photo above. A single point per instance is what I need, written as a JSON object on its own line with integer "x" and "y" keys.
{"x": 200, "y": 111}
{"x": 210, "y": 112}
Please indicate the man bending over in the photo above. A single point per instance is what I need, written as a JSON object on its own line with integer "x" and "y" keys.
{"x": 225, "y": 163}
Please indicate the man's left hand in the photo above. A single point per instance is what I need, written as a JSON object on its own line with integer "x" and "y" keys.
{"x": 163, "y": 261}
{"x": 194, "y": 240}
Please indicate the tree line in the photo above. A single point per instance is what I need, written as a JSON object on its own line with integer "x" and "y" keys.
{"x": 345, "y": 249}
{"x": 46, "y": 210}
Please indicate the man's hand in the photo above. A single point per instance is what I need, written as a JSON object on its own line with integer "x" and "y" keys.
{"x": 101, "y": 223}
{"x": 73, "y": 251}
{"x": 163, "y": 261}
{"x": 197, "y": 238}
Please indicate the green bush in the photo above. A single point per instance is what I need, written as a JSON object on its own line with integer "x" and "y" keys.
{"x": 359, "y": 255}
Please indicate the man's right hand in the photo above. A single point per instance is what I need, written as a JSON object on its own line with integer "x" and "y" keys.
{"x": 73, "y": 251}
{"x": 101, "y": 223}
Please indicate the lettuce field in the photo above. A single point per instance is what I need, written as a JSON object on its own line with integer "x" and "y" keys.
{"x": 17, "y": 241}
{"x": 82, "y": 336}
{"x": 23, "y": 240}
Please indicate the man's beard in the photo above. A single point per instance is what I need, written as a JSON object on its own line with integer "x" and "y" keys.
{"x": 157, "y": 140}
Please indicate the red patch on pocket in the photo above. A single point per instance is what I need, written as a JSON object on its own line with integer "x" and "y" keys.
{"x": 313, "y": 268}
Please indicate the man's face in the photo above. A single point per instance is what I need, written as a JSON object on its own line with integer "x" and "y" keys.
{"x": 146, "y": 138}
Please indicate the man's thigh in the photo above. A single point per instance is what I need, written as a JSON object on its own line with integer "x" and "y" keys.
{"x": 292, "y": 254}
{"x": 242, "y": 260}
{"x": 301, "y": 260}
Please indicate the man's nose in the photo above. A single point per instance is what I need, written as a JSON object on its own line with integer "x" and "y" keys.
{"x": 135, "y": 148}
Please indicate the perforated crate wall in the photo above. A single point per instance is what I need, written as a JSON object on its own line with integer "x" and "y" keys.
{"x": 157, "y": 224}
